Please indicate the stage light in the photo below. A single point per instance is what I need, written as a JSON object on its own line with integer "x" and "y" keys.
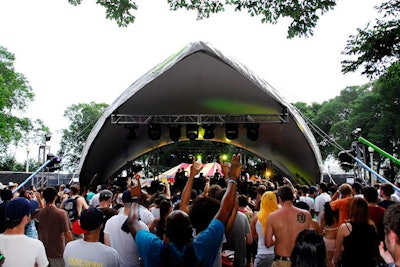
{"x": 192, "y": 131}
{"x": 53, "y": 165}
{"x": 231, "y": 131}
{"x": 47, "y": 137}
{"x": 131, "y": 131}
{"x": 175, "y": 132}
{"x": 252, "y": 131}
{"x": 154, "y": 131}
{"x": 54, "y": 159}
{"x": 208, "y": 131}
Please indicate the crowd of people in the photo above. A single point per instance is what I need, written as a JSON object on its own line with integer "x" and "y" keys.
{"x": 221, "y": 221}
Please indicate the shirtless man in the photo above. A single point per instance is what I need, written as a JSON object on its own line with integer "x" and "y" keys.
{"x": 283, "y": 226}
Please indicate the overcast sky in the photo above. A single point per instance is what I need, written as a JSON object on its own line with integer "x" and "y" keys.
{"x": 75, "y": 55}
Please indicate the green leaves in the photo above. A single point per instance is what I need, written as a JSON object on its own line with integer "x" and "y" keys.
{"x": 373, "y": 107}
{"x": 377, "y": 46}
{"x": 119, "y": 10}
{"x": 15, "y": 94}
{"x": 303, "y": 14}
{"x": 82, "y": 118}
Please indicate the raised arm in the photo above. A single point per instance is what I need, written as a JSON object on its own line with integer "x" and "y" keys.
{"x": 133, "y": 220}
{"x": 167, "y": 191}
{"x": 228, "y": 201}
{"x": 232, "y": 216}
{"x": 206, "y": 187}
{"x": 195, "y": 168}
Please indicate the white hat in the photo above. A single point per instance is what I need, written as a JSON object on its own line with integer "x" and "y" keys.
{"x": 2, "y": 186}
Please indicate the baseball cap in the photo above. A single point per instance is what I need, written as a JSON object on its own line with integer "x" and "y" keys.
{"x": 105, "y": 194}
{"x": 89, "y": 220}
{"x": 126, "y": 196}
{"x": 17, "y": 208}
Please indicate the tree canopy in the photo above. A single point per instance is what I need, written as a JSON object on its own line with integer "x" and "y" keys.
{"x": 82, "y": 118}
{"x": 373, "y": 107}
{"x": 303, "y": 15}
{"x": 377, "y": 46}
{"x": 15, "y": 94}
{"x": 373, "y": 48}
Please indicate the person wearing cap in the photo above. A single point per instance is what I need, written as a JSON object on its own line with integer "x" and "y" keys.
{"x": 54, "y": 228}
{"x": 206, "y": 246}
{"x": 120, "y": 240}
{"x": 89, "y": 251}
{"x": 17, "y": 248}
{"x": 105, "y": 198}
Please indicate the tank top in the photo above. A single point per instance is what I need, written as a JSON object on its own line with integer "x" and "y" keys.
{"x": 262, "y": 249}
{"x": 359, "y": 246}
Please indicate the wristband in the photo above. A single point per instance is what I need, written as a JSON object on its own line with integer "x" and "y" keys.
{"x": 231, "y": 181}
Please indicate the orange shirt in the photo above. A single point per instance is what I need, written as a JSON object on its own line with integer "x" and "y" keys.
{"x": 342, "y": 205}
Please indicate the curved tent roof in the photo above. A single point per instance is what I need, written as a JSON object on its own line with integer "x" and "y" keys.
{"x": 200, "y": 80}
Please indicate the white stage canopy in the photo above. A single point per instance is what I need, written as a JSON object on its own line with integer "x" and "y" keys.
{"x": 200, "y": 85}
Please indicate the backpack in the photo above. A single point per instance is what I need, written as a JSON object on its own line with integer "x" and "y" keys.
{"x": 70, "y": 208}
{"x": 190, "y": 259}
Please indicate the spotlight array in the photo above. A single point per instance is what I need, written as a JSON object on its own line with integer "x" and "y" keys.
{"x": 192, "y": 131}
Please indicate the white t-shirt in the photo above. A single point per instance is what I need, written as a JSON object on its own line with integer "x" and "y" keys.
{"x": 122, "y": 242}
{"x": 21, "y": 251}
{"x": 156, "y": 212}
{"x": 94, "y": 201}
{"x": 145, "y": 215}
{"x": 320, "y": 201}
{"x": 309, "y": 201}
{"x": 395, "y": 197}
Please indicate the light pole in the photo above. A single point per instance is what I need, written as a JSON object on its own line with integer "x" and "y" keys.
{"x": 27, "y": 159}
{"x": 371, "y": 160}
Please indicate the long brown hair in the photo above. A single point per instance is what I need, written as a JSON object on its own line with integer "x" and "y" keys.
{"x": 358, "y": 210}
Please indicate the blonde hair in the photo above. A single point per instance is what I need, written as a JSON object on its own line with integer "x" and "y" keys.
{"x": 268, "y": 205}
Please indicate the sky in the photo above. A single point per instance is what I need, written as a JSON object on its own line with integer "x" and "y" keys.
{"x": 74, "y": 55}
